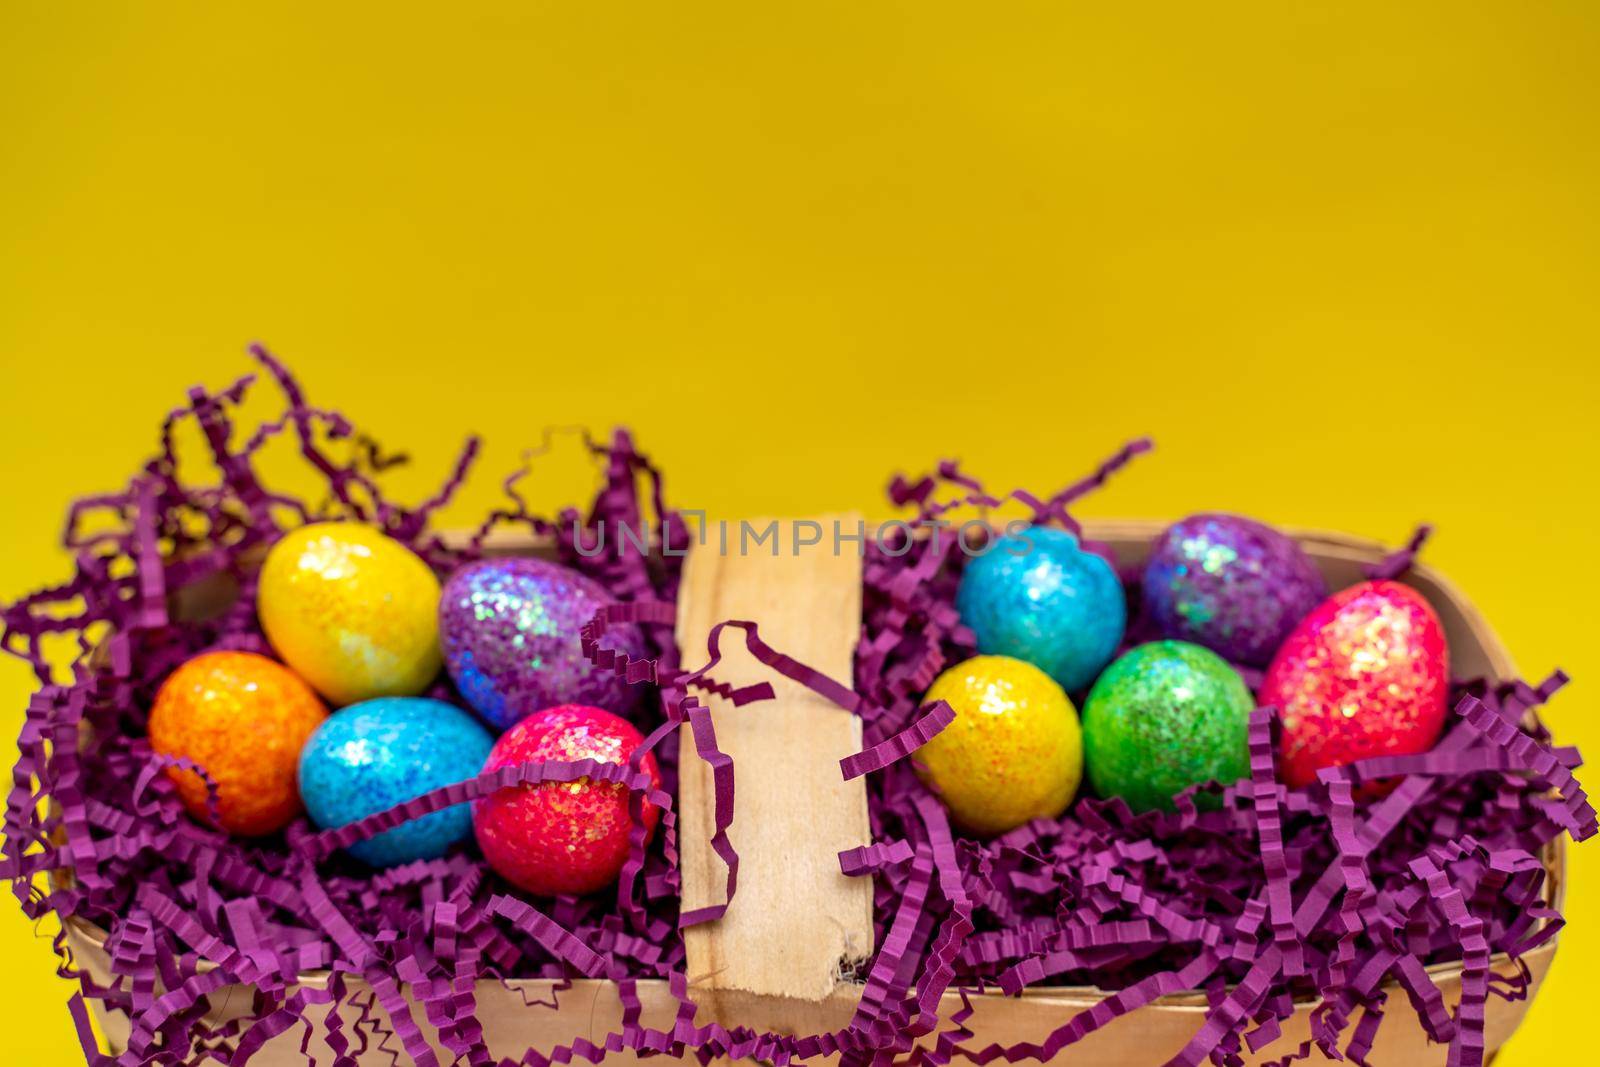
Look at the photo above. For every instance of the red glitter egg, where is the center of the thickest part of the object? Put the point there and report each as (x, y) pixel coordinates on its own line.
(562, 838)
(1364, 674)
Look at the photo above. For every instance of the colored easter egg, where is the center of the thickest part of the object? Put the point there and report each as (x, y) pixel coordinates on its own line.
(511, 633)
(1013, 753)
(1229, 583)
(1038, 596)
(1165, 716)
(370, 756)
(1366, 673)
(560, 838)
(243, 718)
(354, 612)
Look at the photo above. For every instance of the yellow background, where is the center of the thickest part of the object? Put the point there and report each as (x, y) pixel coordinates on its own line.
(1340, 261)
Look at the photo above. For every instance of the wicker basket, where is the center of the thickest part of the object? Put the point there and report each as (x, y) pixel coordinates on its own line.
(1149, 1035)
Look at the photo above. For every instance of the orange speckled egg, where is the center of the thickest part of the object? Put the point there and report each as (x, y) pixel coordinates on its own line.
(353, 611)
(244, 718)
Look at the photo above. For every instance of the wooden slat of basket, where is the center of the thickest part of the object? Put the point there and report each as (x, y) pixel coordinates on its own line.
(795, 917)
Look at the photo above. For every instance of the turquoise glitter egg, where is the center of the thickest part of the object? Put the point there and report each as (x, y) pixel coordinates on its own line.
(1163, 717)
(371, 756)
(1037, 596)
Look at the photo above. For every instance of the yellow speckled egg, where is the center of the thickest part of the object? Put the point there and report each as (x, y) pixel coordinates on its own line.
(1014, 752)
(354, 612)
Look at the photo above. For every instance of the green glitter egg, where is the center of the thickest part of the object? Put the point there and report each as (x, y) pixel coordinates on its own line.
(1163, 717)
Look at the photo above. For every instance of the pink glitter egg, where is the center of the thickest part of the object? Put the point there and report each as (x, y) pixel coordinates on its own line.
(562, 838)
(1364, 674)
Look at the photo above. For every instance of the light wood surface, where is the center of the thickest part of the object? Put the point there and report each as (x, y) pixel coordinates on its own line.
(795, 916)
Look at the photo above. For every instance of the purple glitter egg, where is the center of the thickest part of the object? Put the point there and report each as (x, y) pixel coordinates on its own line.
(510, 633)
(1229, 583)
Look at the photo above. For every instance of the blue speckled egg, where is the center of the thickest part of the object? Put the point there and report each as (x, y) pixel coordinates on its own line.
(371, 756)
(1037, 596)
